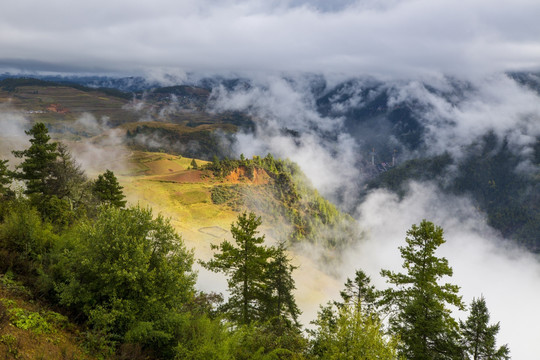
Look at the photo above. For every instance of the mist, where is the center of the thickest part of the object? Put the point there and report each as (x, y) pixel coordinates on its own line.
(454, 113)
(483, 262)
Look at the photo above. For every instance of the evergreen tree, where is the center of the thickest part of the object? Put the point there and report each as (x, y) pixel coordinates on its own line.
(38, 158)
(280, 302)
(479, 337)
(194, 165)
(360, 293)
(421, 317)
(108, 190)
(67, 178)
(244, 262)
(6, 178)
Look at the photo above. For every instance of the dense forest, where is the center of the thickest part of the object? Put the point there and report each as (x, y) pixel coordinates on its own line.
(487, 173)
(124, 276)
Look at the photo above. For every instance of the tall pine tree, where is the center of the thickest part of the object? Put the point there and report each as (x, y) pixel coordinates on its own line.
(479, 337)
(360, 293)
(37, 160)
(421, 317)
(280, 302)
(244, 262)
(6, 176)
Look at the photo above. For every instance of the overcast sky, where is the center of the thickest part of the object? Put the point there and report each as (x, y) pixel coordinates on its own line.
(377, 37)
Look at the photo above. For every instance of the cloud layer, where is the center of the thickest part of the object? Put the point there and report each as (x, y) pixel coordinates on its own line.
(386, 38)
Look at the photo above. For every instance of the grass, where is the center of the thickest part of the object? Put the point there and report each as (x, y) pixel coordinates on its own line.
(29, 330)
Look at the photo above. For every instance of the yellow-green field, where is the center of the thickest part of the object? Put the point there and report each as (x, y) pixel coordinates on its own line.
(188, 204)
(201, 223)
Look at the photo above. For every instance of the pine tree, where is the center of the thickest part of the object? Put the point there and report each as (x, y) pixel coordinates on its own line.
(68, 180)
(38, 158)
(280, 302)
(6, 178)
(244, 262)
(194, 165)
(108, 190)
(479, 337)
(360, 293)
(420, 315)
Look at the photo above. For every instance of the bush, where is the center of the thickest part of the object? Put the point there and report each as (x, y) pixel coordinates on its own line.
(24, 233)
(128, 273)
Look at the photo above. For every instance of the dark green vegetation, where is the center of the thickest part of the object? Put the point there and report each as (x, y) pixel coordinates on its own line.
(418, 302)
(196, 142)
(126, 278)
(490, 174)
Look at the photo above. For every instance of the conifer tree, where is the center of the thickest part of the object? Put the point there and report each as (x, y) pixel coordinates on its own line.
(68, 180)
(6, 177)
(108, 190)
(280, 302)
(194, 165)
(38, 158)
(244, 262)
(420, 314)
(479, 337)
(360, 292)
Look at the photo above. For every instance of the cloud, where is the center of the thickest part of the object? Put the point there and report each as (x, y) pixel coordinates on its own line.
(483, 263)
(455, 117)
(288, 126)
(13, 124)
(388, 38)
(90, 124)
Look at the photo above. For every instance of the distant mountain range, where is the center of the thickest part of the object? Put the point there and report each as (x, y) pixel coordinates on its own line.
(394, 124)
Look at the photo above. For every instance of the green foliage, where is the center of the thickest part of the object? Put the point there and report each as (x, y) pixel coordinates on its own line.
(261, 341)
(68, 181)
(479, 337)
(280, 304)
(128, 273)
(108, 191)
(244, 262)
(348, 332)
(230, 195)
(6, 177)
(56, 211)
(24, 233)
(29, 320)
(291, 199)
(419, 303)
(194, 165)
(205, 338)
(37, 160)
(360, 293)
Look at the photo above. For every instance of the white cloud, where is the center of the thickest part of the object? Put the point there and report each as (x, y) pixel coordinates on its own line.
(396, 38)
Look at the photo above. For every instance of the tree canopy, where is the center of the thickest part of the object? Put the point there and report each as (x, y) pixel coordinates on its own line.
(418, 303)
(35, 169)
(479, 337)
(108, 190)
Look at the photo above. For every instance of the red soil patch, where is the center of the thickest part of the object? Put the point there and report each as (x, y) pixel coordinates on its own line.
(57, 108)
(260, 176)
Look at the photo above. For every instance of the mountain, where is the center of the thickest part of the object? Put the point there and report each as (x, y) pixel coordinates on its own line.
(408, 130)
